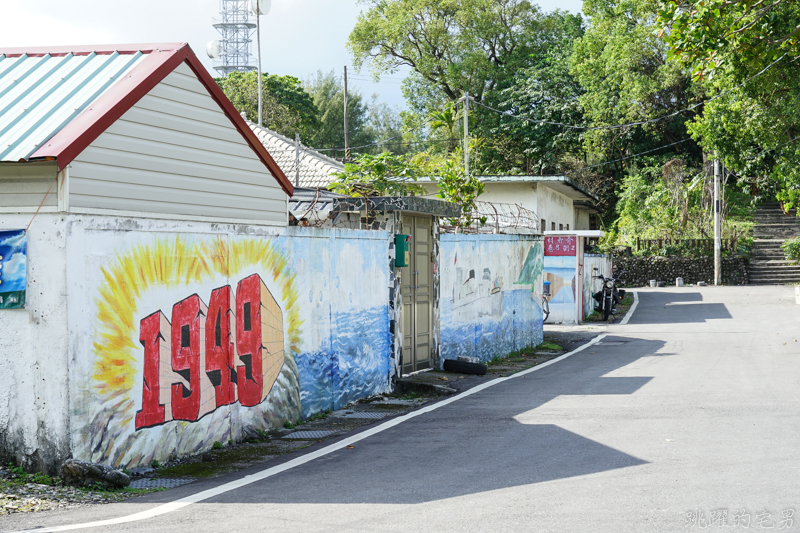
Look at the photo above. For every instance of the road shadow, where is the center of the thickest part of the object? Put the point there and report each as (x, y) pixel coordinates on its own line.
(677, 308)
(471, 446)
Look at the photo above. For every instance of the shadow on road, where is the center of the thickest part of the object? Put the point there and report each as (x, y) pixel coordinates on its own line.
(473, 445)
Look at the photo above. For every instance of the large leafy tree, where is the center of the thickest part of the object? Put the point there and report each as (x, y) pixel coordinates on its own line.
(623, 69)
(543, 93)
(707, 33)
(452, 46)
(286, 106)
(745, 52)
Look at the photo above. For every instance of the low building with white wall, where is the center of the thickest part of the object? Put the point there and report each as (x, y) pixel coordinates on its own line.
(167, 304)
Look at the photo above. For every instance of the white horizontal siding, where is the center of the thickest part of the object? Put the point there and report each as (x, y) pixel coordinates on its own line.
(24, 185)
(175, 152)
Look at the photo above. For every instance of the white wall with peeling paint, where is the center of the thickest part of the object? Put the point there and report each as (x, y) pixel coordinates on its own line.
(34, 382)
(340, 283)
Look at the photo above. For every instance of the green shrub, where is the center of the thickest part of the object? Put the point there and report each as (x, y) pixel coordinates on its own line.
(217, 445)
(791, 249)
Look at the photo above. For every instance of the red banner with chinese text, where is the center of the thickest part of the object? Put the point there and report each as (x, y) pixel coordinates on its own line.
(559, 245)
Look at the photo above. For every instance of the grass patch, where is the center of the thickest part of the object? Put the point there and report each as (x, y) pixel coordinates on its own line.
(550, 346)
(224, 462)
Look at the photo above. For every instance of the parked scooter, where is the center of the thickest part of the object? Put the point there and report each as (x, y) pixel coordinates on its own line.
(609, 297)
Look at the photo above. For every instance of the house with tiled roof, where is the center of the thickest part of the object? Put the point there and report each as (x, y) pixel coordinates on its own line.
(314, 171)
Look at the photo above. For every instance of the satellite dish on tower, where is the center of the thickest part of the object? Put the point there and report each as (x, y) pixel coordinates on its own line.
(214, 49)
(263, 6)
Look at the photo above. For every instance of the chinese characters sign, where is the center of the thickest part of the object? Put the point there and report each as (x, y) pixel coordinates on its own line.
(13, 263)
(559, 245)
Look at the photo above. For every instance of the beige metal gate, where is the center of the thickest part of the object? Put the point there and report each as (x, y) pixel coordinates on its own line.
(417, 289)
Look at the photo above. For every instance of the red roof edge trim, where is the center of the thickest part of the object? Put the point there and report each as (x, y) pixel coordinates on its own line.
(73, 138)
(226, 105)
(105, 49)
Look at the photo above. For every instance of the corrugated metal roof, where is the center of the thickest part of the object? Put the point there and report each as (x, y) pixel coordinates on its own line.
(41, 94)
(316, 169)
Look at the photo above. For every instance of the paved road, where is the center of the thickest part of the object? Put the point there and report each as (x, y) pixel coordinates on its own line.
(693, 405)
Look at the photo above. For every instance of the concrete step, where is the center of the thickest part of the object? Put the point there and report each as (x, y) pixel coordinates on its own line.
(772, 263)
(789, 278)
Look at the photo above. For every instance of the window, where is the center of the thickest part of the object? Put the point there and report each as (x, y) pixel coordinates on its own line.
(553, 226)
(561, 227)
(566, 227)
(543, 225)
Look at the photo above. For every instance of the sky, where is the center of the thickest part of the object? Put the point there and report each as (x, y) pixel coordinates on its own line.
(298, 37)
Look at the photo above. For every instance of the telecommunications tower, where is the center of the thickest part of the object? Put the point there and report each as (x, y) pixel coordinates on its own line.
(236, 25)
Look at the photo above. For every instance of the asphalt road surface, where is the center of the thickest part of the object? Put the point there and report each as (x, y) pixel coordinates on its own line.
(686, 415)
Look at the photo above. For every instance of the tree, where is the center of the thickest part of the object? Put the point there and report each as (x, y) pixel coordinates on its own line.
(368, 121)
(625, 75)
(746, 52)
(545, 91)
(286, 107)
(706, 34)
(455, 46)
(382, 175)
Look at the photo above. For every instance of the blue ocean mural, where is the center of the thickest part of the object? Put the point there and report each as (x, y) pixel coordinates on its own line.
(345, 352)
(490, 295)
(13, 269)
(357, 366)
(560, 272)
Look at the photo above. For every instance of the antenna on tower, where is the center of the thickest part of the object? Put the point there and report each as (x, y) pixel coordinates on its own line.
(236, 26)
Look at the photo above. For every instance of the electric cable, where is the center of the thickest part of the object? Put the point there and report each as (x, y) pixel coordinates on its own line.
(628, 124)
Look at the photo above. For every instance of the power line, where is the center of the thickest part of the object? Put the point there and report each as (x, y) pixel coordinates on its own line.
(376, 143)
(627, 157)
(638, 123)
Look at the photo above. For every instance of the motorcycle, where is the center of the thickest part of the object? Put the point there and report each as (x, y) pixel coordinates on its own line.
(609, 297)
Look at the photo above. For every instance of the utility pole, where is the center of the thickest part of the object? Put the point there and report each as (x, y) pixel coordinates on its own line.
(466, 134)
(717, 236)
(346, 128)
(296, 159)
(258, 48)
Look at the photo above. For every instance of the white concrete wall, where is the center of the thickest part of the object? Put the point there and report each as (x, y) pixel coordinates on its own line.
(555, 207)
(34, 384)
(582, 221)
(175, 152)
(591, 285)
(546, 203)
(72, 364)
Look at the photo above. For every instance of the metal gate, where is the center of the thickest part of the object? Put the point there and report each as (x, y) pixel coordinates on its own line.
(417, 289)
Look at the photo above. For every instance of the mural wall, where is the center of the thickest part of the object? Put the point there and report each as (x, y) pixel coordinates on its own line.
(590, 284)
(559, 270)
(181, 340)
(490, 294)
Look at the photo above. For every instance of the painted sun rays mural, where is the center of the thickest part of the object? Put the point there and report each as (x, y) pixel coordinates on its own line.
(202, 339)
(490, 295)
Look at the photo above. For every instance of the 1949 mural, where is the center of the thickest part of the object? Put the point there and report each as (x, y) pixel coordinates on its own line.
(199, 338)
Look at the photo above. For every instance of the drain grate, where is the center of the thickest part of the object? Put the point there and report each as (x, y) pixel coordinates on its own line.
(159, 483)
(373, 414)
(308, 434)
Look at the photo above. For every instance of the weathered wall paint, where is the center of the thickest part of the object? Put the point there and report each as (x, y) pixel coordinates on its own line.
(154, 346)
(560, 272)
(34, 395)
(591, 285)
(490, 294)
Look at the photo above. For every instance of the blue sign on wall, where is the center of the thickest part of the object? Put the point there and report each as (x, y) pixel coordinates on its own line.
(13, 268)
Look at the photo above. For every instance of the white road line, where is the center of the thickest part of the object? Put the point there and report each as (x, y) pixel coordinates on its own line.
(275, 470)
(631, 310)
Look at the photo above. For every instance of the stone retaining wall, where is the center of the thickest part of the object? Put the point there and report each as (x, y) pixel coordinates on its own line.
(638, 271)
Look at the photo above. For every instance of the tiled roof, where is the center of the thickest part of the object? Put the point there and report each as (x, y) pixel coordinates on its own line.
(316, 170)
